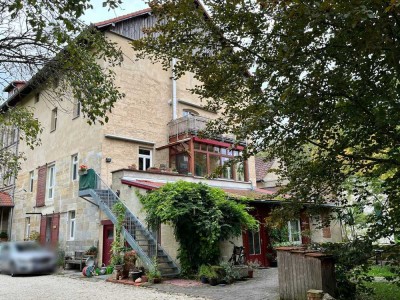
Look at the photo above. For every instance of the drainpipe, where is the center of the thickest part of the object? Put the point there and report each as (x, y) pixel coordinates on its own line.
(174, 100)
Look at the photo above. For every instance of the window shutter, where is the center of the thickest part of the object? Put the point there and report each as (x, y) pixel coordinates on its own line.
(43, 230)
(41, 186)
(305, 228)
(55, 229)
(326, 230)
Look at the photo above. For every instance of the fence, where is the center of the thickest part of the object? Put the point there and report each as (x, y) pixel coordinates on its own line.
(301, 270)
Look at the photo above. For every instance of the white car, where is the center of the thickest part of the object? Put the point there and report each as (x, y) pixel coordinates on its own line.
(26, 258)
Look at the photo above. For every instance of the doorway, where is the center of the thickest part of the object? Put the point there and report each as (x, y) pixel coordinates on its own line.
(108, 238)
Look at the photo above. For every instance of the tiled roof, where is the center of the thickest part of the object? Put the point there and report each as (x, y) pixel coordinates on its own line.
(5, 200)
(262, 167)
(123, 18)
(256, 194)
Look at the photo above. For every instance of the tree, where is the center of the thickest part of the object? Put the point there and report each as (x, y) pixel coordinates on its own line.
(45, 43)
(313, 83)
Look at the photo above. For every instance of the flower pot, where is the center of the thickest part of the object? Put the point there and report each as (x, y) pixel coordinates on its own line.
(203, 279)
(250, 273)
(156, 280)
(213, 281)
(136, 275)
(145, 278)
(82, 172)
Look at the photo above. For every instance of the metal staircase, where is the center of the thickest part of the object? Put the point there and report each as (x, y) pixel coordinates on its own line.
(135, 233)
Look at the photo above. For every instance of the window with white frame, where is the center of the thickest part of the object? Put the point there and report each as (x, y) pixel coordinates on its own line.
(31, 178)
(74, 167)
(53, 119)
(51, 178)
(27, 228)
(71, 225)
(144, 159)
(294, 231)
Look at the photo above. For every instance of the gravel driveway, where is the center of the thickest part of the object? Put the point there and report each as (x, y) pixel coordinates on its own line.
(59, 287)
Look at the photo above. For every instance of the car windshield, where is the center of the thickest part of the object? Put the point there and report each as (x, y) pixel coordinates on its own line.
(24, 247)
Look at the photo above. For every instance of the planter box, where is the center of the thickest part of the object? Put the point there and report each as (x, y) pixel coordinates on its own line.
(242, 270)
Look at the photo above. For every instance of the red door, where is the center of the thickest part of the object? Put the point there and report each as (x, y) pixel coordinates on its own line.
(255, 244)
(108, 238)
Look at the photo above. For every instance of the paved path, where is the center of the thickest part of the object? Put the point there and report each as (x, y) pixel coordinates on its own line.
(56, 287)
(264, 286)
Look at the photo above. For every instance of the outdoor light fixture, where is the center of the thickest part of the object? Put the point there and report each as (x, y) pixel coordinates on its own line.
(108, 159)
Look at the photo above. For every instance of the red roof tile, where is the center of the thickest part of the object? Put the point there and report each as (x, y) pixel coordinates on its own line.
(123, 18)
(5, 200)
(262, 167)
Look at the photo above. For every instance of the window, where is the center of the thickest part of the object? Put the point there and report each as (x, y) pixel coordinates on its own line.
(254, 242)
(72, 226)
(294, 231)
(53, 119)
(189, 112)
(31, 178)
(27, 228)
(144, 159)
(76, 110)
(74, 167)
(50, 181)
(37, 97)
(208, 158)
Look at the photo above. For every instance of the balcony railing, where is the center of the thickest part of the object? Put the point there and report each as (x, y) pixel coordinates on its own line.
(191, 125)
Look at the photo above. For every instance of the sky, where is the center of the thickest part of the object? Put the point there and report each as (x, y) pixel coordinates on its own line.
(100, 13)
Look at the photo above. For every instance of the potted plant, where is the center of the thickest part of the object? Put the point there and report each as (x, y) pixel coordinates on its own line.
(251, 266)
(213, 276)
(92, 251)
(130, 258)
(154, 274)
(83, 169)
(230, 274)
(204, 273)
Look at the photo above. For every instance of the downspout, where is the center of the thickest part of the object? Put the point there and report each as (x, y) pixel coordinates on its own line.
(11, 216)
(174, 100)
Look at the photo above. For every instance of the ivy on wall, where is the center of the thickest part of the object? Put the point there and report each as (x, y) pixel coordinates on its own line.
(201, 216)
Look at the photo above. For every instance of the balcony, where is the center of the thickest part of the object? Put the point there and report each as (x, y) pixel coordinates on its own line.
(188, 126)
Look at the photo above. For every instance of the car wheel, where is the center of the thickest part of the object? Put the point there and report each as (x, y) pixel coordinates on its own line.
(12, 270)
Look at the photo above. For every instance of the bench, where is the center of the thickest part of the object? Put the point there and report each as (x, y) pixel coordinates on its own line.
(77, 259)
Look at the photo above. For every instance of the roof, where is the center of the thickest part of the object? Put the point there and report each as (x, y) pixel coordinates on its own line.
(122, 18)
(256, 194)
(5, 200)
(262, 167)
(14, 84)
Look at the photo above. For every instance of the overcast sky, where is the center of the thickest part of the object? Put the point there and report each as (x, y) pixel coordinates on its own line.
(100, 13)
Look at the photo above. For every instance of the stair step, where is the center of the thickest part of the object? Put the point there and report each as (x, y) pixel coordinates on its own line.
(170, 275)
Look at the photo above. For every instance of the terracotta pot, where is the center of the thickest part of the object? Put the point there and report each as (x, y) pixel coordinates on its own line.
(145, 278)
(213, 281)
(156, 280)
(250, 273)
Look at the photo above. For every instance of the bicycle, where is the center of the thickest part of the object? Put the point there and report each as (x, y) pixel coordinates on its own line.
(238, 257)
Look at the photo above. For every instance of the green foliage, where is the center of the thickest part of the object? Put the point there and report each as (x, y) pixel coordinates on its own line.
(117, 246)
(201, 216)
(322, 95)
(60, 254)
(381, 290)
(154, 272)
(3, 235)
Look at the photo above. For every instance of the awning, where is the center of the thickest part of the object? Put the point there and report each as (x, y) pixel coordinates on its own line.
(5, 200)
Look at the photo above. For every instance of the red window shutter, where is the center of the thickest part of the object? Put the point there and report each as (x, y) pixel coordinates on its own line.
(305, 228)
(326, 230)
(55, 224)
(41, 186)
(43, 230)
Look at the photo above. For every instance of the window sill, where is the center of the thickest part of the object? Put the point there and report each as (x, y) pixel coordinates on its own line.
(52, 130)
(76, 117)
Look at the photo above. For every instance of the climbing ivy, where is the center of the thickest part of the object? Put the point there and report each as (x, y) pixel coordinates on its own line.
(201, 216)
(117, 245)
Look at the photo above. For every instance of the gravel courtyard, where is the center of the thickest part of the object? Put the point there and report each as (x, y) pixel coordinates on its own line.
(264, 286)
(59, 287)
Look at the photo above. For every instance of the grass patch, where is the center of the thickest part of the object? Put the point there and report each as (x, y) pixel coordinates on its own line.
(382, 290)
(380, 271)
